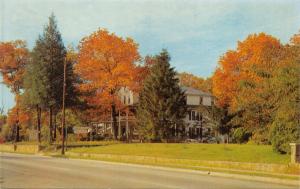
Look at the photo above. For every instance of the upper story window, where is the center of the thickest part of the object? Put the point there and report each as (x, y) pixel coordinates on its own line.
(201, 100)
(194, 115)
(129, 100)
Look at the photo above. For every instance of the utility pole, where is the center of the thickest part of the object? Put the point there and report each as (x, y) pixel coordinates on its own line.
(63, 110)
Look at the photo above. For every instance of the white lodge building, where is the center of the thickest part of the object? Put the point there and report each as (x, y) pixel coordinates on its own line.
(196, 121)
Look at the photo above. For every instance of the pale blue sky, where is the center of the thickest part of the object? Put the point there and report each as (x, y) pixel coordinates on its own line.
(196, 33)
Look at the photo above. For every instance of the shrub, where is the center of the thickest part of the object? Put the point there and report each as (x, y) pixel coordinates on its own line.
(260, 136)
(98, 137)
(6, 133)
(240, 135)
(71, 138)
(283, 133)
(45, 132)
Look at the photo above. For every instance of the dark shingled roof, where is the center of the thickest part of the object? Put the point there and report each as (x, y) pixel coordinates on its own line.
(193, 91)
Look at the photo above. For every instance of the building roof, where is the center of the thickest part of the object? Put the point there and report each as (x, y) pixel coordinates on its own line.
(193, 91)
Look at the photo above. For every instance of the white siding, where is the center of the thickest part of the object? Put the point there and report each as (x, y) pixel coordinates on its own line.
(206, 101)
(127, 96)
(192, 100)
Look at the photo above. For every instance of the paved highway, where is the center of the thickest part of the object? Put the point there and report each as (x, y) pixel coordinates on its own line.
(29, 171)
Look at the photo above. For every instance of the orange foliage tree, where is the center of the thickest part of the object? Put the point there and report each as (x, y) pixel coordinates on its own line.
(191, 80)
(295, 40)
(13, 58)
(106, 63)
(252, 57)
(20, 116)
(242, 85)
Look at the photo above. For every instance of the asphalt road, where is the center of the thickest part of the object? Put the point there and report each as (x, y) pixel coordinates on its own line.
(29, 171)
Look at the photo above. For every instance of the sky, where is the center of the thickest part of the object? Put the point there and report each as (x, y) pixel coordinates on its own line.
(196, 33)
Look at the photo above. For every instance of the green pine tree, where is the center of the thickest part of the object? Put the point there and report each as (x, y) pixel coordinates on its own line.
(162, 105)
(44, 75)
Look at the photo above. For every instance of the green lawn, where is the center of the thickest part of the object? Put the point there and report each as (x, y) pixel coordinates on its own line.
(211, 152)
(230, 158)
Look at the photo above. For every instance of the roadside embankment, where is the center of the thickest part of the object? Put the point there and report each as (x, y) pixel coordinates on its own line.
(20, 148)
(247, 160)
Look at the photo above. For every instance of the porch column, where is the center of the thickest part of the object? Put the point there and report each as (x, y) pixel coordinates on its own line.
(175, 130)
(111, 124)
(119, 126)
(127, 126)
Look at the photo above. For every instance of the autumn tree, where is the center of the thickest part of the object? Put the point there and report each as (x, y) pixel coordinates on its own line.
(190, 80)
(2, 119)
(162, 102)
(295, 40)
(259, 84)
(142, 71)
(242, 83)
(23, 117)
(3, 126)
(106, 63)
(13, 58)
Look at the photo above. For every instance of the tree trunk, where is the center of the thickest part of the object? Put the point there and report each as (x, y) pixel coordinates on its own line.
(50, 125)
(114, 122)
(17, 132)
(119, 126)
(16, 136)
(54, 133)
(228, 138)
(17, 128)
(127, 127)
(201, 129)
(38, 111)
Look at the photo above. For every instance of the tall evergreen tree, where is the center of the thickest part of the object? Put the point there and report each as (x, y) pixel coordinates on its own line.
(162, 105)
(44, 78)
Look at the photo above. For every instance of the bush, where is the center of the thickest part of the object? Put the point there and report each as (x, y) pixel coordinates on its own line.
(6, 133)
(71, 138)
(282, 134)
(97, 137)
(260, 135)
(241, 135)
(45, 132)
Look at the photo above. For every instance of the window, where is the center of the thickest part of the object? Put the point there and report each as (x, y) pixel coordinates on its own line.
(198, 131)
(124, 99)
(193, 115)
(197, 116)
(129, 100)
(201, 100)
